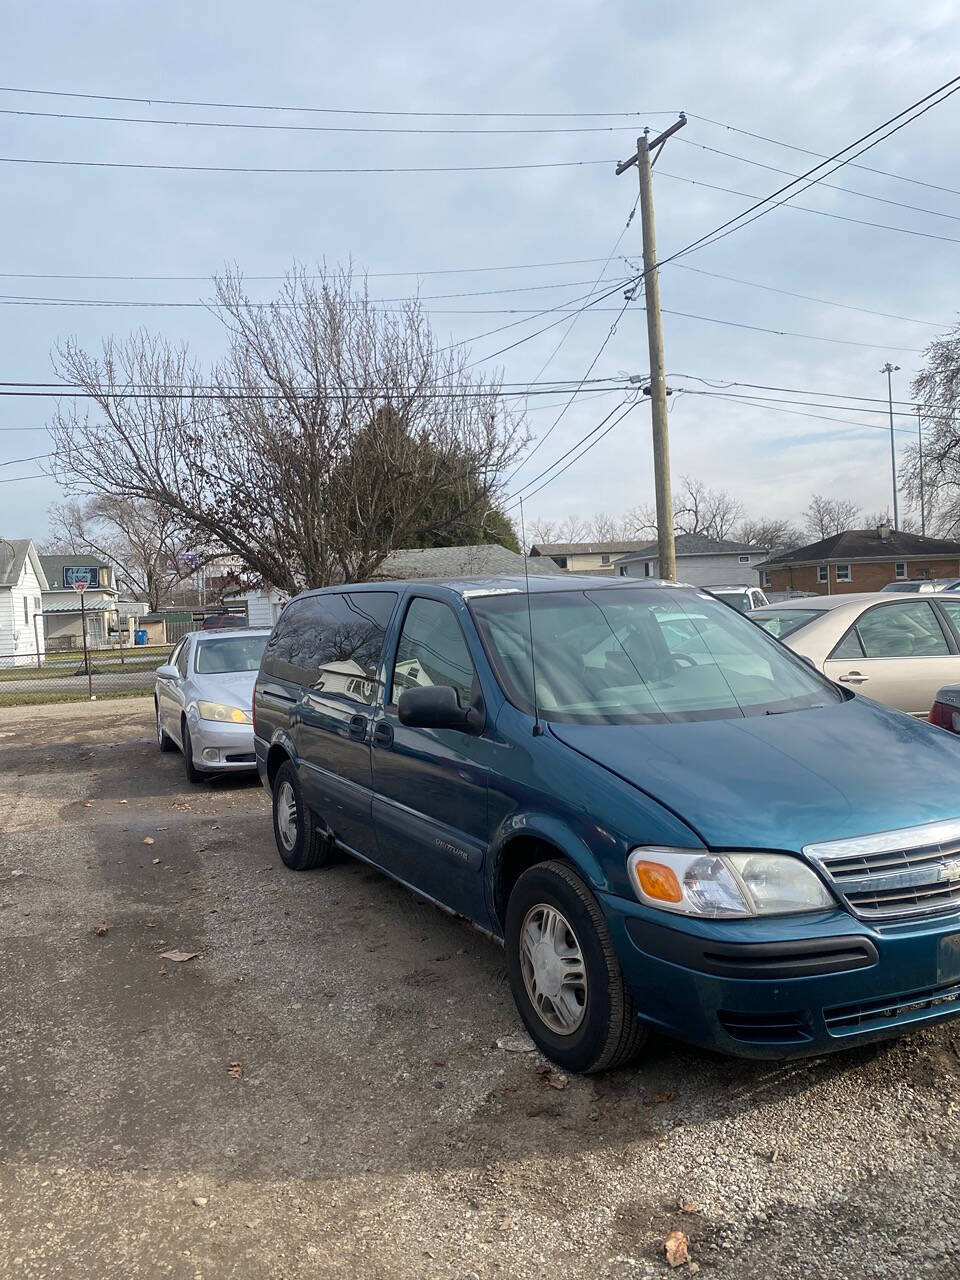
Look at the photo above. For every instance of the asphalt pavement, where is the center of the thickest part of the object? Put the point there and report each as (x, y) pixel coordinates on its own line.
(323, 1088)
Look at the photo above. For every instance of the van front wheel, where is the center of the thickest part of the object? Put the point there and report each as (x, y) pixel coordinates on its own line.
(564, 973)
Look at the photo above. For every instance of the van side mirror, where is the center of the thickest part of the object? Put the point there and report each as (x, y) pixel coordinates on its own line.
(435, 706)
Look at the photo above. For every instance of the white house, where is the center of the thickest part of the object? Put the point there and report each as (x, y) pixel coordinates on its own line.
(701, 561)
(22, 584)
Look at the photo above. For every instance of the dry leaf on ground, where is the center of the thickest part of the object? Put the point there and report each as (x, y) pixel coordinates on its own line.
(557, 1080)
(235, 1070)
(148, 840)
(179, 956)
(689, 1206)
(665, 1095)
(101, 929)
(516, 1044)
(675, 1247)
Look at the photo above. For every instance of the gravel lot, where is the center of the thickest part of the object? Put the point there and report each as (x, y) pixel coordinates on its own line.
(377, 1129)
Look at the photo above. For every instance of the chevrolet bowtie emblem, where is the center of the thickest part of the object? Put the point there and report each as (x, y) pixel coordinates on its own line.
(950, 871)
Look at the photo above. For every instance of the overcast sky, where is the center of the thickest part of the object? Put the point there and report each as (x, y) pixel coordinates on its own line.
(815, 75)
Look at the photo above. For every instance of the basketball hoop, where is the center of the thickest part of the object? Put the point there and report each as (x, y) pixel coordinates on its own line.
(80, 585)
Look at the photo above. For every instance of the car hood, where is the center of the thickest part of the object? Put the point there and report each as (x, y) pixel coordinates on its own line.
(233, 688)
(783, 781)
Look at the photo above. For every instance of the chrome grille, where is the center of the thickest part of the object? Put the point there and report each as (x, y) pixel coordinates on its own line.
(911, 872)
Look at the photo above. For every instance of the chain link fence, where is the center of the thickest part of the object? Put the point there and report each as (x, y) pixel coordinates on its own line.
(69, 677)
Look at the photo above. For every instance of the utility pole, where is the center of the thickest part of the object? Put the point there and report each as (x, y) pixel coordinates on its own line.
(666, 546)
(890, 369)
(923, 512)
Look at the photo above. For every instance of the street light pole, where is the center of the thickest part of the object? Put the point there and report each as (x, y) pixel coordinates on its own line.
(923, 512)
(890, 369)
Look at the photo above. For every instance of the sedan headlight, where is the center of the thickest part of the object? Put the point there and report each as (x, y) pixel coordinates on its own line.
(725, 885)
(223, 714)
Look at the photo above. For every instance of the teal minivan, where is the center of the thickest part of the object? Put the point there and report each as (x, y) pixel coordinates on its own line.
(670, 821)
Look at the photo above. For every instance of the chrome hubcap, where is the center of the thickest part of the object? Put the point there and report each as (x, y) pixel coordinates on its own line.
(287, 815)
(553, 968)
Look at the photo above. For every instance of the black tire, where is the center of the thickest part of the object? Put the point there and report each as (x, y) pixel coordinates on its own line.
(609, 1033)
(310, 846)
(164, 741)
(190, 769)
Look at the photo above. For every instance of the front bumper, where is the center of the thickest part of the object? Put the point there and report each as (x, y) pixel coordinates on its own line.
(222, 748)
(785, 987)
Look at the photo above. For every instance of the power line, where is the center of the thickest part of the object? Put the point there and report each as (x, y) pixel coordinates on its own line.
(796, 413)
(339, 111)
(805, 297)
(315, 128)
(831, 186)
(39, 475)
(805, 151)
(590, 367)
(376, 169)
(813, 404)
(629, 409)
(757, 210)
(34, 457)
(719, 383)
(370, 275)
(805, 208)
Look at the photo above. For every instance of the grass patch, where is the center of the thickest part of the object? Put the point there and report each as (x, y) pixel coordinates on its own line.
(41, 697)
(74, 667)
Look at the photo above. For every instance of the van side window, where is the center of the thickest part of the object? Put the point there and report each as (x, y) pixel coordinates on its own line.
(332, 642)
(432, 651)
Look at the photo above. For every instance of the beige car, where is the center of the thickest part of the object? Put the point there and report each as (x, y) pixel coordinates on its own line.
(895, 649)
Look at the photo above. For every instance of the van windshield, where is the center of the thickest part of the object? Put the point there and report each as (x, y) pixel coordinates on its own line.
(641, 655)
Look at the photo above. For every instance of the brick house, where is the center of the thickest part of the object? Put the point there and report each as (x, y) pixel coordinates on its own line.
(861, 560)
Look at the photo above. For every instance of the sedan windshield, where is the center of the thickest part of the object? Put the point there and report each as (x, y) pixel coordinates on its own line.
(229, 653)
(784, 622)
(640, 655)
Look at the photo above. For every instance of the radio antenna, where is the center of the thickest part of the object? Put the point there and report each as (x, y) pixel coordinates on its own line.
(537, 726)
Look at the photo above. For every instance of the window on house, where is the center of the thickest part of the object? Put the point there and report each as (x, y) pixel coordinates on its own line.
(900, 569)
(823, 573)
(623, 571)
(559, 561)
(37, 605)
(605, 558)
(26, 611)
(843, 573)
(765, 577)
(647, 569)
(744, 559)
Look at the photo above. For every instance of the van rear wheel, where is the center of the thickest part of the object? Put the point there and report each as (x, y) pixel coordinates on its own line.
(564, 972)
(301, 842)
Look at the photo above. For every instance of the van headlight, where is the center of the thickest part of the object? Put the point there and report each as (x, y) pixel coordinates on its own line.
(223, 714)
(717, 885)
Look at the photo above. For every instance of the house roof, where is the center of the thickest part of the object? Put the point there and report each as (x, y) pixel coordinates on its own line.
(586, 548)
(696, 544)
(14, 553)
(867, 544)
(53, 567)
(484, 560)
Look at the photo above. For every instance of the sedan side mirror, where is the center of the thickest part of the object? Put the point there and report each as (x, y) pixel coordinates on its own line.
(167, 672)
(436, 707)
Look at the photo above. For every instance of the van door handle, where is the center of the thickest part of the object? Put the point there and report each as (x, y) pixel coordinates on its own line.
(358, 728)
(854, 677)
(383, 735)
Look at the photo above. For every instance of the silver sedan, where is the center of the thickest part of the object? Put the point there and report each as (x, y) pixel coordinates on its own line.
(893, 648)
(204, 699)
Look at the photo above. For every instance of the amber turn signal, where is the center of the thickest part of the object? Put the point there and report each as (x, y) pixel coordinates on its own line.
(658, 881)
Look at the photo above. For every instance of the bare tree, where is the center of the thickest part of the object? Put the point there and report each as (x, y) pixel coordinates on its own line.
(937, 390)
(826, 516)
(775, 533)
(711, 512)
(150, 550)
(323, 441)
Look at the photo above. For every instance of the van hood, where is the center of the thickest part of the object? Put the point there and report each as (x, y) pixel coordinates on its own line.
(784, 781)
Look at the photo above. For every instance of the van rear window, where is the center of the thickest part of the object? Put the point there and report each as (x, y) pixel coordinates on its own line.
(331, 641)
